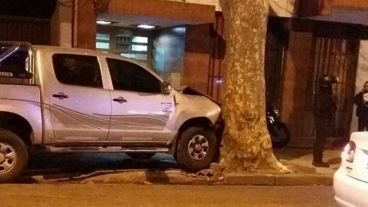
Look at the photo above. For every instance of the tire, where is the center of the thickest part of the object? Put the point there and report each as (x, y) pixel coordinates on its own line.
(191, 158)
(13, 156)
(280, 136)
(147, 155)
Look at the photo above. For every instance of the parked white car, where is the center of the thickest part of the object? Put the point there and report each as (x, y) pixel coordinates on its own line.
(351, 179)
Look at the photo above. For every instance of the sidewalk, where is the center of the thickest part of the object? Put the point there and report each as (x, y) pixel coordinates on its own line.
(298, 160)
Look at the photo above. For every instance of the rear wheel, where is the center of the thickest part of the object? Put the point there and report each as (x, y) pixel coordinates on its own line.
(13, 156)
(196, 149)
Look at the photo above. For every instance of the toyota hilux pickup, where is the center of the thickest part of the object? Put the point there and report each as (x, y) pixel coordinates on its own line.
(78, 100)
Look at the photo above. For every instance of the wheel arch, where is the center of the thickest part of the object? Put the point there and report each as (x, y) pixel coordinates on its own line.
(18, 125)
(202, 122)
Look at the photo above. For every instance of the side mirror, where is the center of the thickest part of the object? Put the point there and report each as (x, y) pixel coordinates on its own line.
(166, 88)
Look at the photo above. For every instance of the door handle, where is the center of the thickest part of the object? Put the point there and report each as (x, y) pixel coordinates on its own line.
(120, 100)
(60, 96)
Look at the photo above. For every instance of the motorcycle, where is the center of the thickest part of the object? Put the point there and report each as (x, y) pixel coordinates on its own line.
(279, 133)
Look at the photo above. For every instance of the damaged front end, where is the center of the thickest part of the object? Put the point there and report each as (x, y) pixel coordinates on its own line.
(219, 126)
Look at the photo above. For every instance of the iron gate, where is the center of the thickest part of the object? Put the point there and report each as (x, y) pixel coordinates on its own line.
(335, 56)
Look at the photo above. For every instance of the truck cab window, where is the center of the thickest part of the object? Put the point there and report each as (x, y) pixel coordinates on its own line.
(14, 66)
(78, 70)
(131, 77)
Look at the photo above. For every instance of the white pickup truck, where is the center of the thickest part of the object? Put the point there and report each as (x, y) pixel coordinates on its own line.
(77, 100)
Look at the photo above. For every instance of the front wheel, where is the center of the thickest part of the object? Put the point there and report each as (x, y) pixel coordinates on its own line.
(196, 149)
(13, 156)
(280, 136)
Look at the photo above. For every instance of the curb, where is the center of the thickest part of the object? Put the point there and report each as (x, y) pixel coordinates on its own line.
(278, 180)
(181, 178)
(287, 180)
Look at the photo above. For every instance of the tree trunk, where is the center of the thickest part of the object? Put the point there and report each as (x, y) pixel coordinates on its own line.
(247, 144)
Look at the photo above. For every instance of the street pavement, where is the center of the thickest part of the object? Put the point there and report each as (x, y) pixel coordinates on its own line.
(95, 195)
(107, 168)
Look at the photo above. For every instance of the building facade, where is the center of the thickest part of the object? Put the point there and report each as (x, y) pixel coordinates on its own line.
(305, 39)
(324, 37)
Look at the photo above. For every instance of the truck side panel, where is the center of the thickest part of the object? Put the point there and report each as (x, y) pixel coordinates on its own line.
(23, 100)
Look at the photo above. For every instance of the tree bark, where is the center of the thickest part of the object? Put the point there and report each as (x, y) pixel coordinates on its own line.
(247, 144)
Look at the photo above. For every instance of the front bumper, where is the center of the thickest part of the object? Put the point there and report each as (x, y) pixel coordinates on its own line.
(349, 191)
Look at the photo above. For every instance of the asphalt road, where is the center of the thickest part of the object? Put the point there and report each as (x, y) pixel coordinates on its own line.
(93, 195)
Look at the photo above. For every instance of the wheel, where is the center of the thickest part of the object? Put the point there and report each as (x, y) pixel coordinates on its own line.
(140, 155)
(13, 155)
(196, 149)
(279, 135)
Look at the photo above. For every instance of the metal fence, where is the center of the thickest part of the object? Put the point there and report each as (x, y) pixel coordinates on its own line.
(336, 56)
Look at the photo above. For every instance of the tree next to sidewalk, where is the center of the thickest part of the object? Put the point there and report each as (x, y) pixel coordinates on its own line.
(247, 144)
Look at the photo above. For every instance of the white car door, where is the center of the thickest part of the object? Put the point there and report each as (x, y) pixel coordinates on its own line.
(140, 111)
(79, 105)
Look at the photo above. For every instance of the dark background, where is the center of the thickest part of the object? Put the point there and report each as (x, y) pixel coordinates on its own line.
(27, 8)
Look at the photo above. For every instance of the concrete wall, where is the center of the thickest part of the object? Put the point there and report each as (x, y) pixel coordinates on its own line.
(85, 25)
(297, 65)
(78, 31)
(178, 11)
(61, 25)
(197, 56)
(215, 3)
(363, 4)
(362, 76)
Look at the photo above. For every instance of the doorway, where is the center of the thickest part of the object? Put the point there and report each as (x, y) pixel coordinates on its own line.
(336, 56)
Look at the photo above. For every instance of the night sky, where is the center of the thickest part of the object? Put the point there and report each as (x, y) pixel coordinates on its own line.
(27, 8)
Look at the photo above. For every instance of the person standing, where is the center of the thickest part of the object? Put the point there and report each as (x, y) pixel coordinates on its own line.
(324, 113)
(361, 101)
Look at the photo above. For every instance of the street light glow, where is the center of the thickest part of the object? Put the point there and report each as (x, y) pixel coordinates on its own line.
(146, 26)
(102, 22)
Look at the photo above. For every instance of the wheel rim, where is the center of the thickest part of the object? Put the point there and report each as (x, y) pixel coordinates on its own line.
(8, 158)
(198, 147)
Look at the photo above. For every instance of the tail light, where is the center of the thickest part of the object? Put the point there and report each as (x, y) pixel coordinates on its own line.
(349, 152)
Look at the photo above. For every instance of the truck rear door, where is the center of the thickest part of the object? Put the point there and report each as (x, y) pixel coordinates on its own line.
(79, 105)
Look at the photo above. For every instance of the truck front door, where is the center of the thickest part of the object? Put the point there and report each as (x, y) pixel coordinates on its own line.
(141, 113)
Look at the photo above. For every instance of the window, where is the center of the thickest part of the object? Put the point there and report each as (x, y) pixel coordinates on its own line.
(102, 45)
(139, 48)
(79, 70)
(14, 65)
(102, 41)
(131, 77)
(139, 44)
(139, 39)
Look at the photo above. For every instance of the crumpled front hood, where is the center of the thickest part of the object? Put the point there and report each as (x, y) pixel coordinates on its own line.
(191, 91)
(197, 105)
